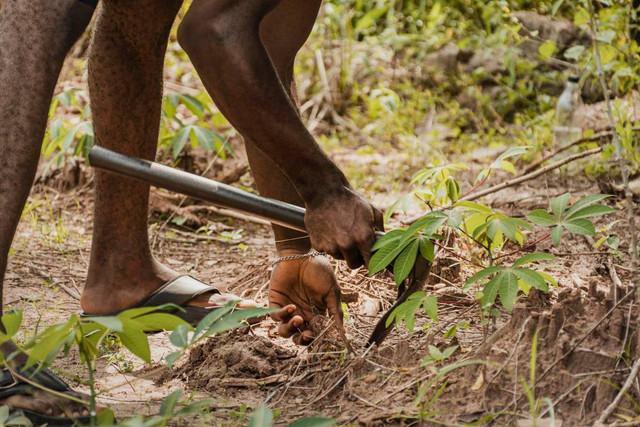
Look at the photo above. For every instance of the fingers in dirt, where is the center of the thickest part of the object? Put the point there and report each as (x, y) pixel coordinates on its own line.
(292, 327)
(284, 314)
(303, 338)
(334, 306)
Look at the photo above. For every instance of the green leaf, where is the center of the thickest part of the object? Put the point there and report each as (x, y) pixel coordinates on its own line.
(574, 52)
(508, 288)
(212, 317)
(590, 211)
(559, 204)
(261, 417)
(205, 137)
(585, 201)
(556, 234)
(430, 305)
(160, 322)
(427, 249)
(484, 273)
(109, 322)
(405, 261)
(490, 291)
(169, 403)
(384, 256)
(532, 278)
(541, 217)
(581, 16)
(391, 236)
(580, 226)
(180, 336)
(370, 18)
(194, 408)
(135, 339)
(556, 6)
(313, 422)
(193, 104)
(172, 358)
(533, 257)
(12, 321)
(180, 140)
(236, 319)
(547, 49)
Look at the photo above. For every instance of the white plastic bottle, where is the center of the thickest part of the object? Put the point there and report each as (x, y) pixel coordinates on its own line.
(566, 128)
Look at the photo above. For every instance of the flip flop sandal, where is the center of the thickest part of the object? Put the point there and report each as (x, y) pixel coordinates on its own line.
(179, 291)
(11, 386)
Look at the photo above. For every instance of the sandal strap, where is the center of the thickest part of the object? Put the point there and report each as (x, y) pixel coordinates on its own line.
(179, 291)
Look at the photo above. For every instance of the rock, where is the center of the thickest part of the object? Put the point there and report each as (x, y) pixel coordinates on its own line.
(448, 58)
(560, 31)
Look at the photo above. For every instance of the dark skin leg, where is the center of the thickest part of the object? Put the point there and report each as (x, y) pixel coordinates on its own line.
(257, 40)
(35, 37)
(125, 81)
(251, 95)
(310, 283)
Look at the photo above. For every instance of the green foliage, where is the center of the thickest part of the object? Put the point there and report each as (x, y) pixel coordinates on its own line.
(264, 417)
(573, 218)
(408, 309)
(507, 281)
(220, 320)
(404, 245)
(6, 419)
(67, 137)
(175, 132)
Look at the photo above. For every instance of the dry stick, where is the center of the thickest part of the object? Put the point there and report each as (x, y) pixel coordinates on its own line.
(518, 180)
(593, 138)
(616, 141)
(630, 205)
(577, 344)
(532, 175)
(627, 384)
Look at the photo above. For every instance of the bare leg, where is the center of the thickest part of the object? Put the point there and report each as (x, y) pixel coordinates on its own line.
(283, 32)
(35, 36)
(125, 80)
(223, 40)
(309, 284)
(306, 286)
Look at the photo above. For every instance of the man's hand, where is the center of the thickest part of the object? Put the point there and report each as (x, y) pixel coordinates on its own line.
(343, 224)
(303, 288)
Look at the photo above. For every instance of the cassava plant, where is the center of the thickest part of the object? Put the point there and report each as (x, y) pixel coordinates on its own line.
(501, 274)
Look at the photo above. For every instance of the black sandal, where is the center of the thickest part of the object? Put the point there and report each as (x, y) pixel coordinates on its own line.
(11, 386)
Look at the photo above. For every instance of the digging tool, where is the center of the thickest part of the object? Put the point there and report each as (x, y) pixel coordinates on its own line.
(226, 196)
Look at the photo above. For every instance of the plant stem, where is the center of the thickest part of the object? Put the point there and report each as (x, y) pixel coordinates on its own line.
(444, 248)
(535, 242)
(92, 388)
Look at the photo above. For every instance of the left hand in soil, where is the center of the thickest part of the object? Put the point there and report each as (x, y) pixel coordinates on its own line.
(303, 288)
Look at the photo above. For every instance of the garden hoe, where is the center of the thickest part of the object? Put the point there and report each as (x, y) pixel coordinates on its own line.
(226, 196)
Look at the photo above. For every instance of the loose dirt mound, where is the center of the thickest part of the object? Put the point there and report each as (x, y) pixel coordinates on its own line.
(580, 359)
(236, 359)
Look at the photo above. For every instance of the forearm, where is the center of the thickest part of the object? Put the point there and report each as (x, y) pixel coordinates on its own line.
(241, 79)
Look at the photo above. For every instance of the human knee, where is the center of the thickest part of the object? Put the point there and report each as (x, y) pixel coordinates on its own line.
(198, 32)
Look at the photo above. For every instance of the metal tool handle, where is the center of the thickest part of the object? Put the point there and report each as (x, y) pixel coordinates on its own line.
(223, 195)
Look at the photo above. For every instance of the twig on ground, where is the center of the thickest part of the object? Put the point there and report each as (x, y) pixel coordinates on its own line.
(72, 292)
(627, 384)
(600, 136)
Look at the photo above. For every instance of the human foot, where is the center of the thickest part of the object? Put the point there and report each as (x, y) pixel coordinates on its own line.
(110, 290)
(303, 288)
